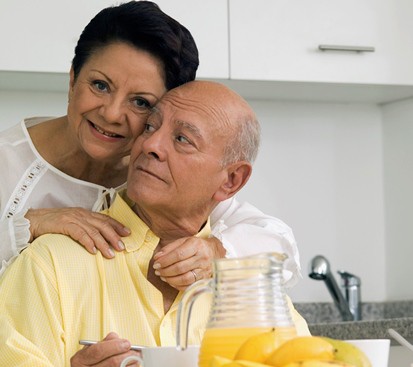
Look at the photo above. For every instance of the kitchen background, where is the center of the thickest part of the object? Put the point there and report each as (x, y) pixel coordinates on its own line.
(336, 161)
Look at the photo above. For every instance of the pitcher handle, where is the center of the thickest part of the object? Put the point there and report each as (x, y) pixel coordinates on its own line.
(185, 308)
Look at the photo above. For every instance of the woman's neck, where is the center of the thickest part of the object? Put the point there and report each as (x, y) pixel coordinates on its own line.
(52, 140)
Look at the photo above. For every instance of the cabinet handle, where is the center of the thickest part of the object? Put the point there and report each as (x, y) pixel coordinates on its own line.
(346, 48)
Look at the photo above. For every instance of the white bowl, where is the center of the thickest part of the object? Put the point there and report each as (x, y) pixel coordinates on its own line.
(377, 350)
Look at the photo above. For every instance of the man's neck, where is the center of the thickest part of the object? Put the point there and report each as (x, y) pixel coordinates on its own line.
(170, 227)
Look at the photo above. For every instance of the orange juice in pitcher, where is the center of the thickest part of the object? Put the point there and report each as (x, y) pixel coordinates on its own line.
(248, 299)
(224, 342)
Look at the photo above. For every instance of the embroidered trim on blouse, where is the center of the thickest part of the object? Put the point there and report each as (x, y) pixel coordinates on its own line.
(34, 171)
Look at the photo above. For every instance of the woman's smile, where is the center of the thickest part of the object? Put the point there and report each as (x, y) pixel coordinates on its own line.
(104, 132)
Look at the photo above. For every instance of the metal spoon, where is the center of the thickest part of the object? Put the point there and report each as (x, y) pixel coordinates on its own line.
(92, 342)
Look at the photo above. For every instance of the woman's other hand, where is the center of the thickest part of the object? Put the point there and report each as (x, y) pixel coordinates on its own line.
(92, 230)
(184, 261)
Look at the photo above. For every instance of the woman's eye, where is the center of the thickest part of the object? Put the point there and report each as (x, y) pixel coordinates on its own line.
(142, 103)
(100, 85)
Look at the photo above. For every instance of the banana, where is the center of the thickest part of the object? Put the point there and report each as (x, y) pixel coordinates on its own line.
(259, 347)
(301, 348)
(315, 363)
(251, 364)
(244, 364)
(218, 361)
(348, 353)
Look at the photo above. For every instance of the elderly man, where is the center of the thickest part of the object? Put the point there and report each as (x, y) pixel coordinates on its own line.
(196, 151)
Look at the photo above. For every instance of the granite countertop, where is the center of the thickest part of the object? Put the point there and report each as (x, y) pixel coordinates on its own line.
(324, 319)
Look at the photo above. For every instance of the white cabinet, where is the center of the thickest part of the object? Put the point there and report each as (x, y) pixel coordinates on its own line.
(208, 23)
(261, 48)
(40, 36)
(279, 40)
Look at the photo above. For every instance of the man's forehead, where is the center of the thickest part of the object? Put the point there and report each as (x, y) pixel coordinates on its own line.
(186, 108)
(191, 120)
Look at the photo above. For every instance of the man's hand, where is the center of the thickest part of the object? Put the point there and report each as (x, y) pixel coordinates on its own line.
(187, 260)
(111, 351)
(92, 230)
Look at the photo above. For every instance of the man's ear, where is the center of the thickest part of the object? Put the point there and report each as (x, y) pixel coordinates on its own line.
(237, 176)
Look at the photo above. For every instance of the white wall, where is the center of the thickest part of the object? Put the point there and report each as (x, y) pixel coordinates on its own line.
(398, 183)
(320, 169)
(16, 105)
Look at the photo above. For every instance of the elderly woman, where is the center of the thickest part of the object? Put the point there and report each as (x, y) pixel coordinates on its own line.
(60, 171)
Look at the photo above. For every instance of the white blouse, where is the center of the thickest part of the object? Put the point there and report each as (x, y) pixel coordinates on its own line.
(28, 181)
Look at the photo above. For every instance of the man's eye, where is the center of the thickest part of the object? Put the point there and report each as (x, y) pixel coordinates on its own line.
(100, 85)
(142, 103)
(149, 128)
(182, 139)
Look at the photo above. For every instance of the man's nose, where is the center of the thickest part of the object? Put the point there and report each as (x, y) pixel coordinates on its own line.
(155, 145)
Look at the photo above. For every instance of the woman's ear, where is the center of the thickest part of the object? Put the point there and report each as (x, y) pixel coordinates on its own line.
(237, 176)
(71, 83)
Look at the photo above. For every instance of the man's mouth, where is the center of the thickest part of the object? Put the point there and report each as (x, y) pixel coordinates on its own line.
(106, 133)
(149, 173)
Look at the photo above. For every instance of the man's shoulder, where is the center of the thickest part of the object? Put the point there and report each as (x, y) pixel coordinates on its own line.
(54, 247)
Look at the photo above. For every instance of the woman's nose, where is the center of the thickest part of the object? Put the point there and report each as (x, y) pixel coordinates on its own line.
(113, 110)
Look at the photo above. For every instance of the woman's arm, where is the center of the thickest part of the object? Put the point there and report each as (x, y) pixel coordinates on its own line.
(237, 230)
(95, 231)
(14, 237)
(244, 230)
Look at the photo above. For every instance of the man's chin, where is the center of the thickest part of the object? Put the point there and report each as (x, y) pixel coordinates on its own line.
(142, 192)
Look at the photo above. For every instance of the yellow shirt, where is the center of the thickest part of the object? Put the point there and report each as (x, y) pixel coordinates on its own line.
(56, 293)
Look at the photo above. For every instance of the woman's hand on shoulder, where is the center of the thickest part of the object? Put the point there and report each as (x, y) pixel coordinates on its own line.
(94, 231)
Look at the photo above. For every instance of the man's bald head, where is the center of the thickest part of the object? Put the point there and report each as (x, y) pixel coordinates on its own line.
(239, 122)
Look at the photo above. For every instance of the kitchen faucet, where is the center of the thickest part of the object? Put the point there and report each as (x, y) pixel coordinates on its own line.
(349, 303)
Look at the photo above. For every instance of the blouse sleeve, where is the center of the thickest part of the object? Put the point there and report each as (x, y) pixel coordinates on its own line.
(244, 230)
(14, 237)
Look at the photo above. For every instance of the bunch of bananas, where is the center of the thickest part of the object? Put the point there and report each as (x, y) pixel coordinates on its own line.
(265, 350)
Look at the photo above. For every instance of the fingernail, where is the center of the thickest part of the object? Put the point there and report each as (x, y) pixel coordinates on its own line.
(121, 245)
(111, 253)
(158, 254)
(157, 272)
(125, 345)
(163, 279)
(156, 266)
(95, 250)
(127, 230)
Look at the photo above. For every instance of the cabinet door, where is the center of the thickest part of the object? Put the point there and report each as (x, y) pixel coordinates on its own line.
(207, 20)
(279, 40)
(40, 36)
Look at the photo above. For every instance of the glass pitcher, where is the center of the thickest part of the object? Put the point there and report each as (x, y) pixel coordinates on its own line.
(248, 298)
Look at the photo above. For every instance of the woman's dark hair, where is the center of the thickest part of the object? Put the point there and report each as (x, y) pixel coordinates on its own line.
(143, 25)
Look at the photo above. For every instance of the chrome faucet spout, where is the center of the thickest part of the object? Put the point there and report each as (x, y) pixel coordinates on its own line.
(320, 270)
(350, 284)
